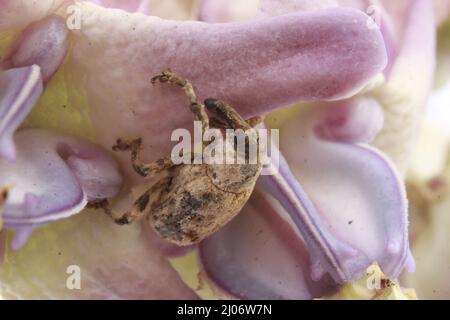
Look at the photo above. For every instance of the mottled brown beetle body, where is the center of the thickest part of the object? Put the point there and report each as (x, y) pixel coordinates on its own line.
(192, 201)
(193, 207)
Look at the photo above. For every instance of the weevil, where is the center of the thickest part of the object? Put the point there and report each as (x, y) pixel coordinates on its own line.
(192, 201)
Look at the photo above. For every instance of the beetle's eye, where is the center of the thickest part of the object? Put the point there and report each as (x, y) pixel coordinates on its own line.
(211, 104)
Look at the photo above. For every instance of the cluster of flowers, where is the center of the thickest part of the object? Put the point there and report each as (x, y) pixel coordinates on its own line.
(337, 204)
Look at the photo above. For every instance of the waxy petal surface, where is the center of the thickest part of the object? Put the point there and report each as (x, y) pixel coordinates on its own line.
(115, 262)
(19, 13)
(175, 9)
(20, 88)
(408, 28)
(141, 6)
(258, 255)
(268, 8)
(214, 11)
(53, 176)
(2, 245)
(354, 120)
(404, 96)
(357, 203)
(442, 11)
(256, 66)
(43, 43)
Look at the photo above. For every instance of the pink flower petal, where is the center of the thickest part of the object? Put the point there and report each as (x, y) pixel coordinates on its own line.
(256, 66)
(214, 11)
(2, 245)
(258, 255)
(115, 262)
(21, 236)
(404, 96)
(175, 9)
(3, 196)
(20, 88)
(329, 255)
(354, 120)
(43, 43)
(53, 176)
(357, 204)
(397, 14)
(141, 6)
(269, 8)
(16, 14)
(393, 16)
(442, 11)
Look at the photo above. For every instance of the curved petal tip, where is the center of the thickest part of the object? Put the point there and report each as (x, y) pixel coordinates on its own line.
(350, 204)
(258, 255)
(20, 88)
(53, 177)
(43, 43)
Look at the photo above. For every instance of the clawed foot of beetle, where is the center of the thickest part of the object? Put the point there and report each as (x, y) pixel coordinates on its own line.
(197, 108)
(135, 147)
(168, 76)
(124, 145)
(104, 205)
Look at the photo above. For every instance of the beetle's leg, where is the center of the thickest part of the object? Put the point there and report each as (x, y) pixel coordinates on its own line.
(139, 207)
(143, 169)
(197, 108)
(159, 165)
(134, 146)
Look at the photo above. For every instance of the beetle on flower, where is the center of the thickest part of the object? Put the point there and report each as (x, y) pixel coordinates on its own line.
(93, 87)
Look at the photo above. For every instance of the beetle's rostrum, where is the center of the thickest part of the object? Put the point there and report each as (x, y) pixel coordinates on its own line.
(192, 201)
